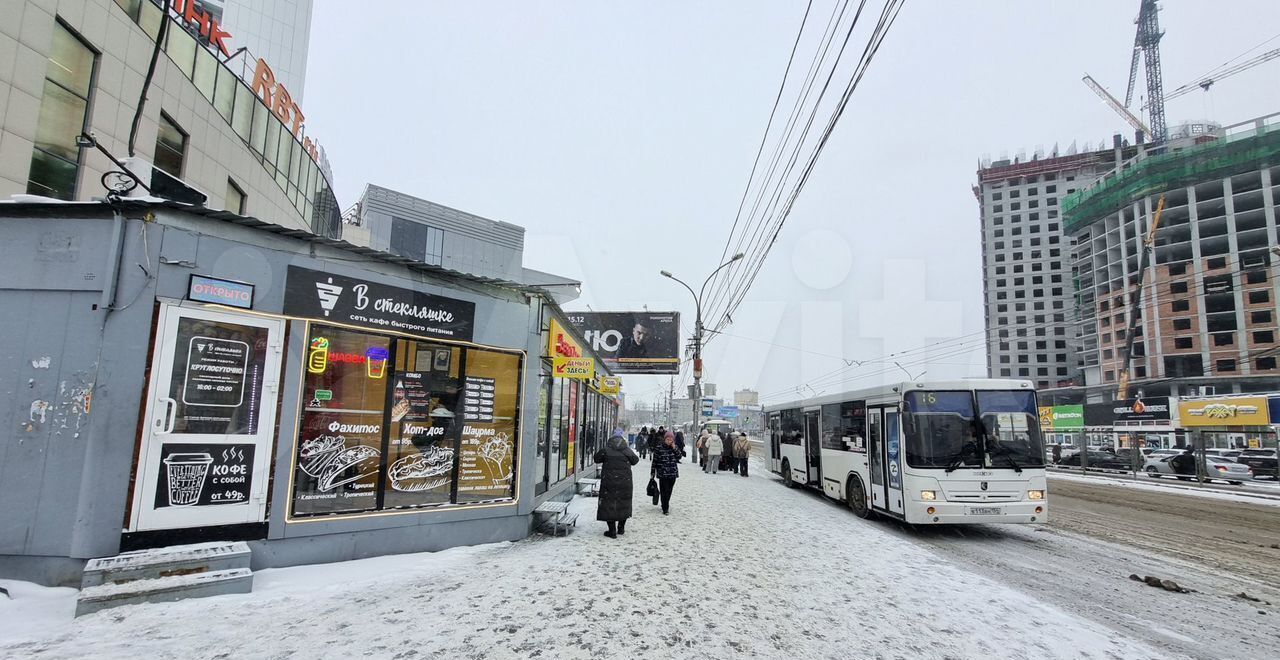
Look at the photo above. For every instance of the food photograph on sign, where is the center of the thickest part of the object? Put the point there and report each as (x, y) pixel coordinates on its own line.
(632, 342)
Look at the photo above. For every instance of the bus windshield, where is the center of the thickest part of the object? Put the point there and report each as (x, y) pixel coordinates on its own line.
(942, 430)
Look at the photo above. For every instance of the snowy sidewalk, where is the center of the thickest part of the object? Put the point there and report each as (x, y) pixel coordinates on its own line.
(778, 573)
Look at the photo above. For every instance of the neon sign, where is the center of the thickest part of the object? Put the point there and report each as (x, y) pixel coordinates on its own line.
(377, 361)
(318, 357)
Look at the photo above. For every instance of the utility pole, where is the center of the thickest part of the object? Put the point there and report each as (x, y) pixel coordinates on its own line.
(697, 340)
(671, 393)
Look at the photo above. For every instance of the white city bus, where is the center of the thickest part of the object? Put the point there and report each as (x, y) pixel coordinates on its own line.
(965, 451)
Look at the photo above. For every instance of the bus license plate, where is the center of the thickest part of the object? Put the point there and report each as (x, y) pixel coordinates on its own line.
(984, 510)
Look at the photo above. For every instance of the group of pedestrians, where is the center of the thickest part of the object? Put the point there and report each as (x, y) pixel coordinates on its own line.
(716, 451)
(665, 450)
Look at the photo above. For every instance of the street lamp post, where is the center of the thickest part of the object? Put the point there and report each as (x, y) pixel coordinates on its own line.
(697, 341)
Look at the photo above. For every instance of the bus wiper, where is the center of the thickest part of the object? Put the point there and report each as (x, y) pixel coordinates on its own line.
(958, 461)
(1014, 464)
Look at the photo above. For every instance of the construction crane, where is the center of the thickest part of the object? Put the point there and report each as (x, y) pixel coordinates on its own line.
(1206, 82)
(1135, 302)
(1115, 105)
(1146, 43)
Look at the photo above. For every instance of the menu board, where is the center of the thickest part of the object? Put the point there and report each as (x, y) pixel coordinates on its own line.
(486, 463)
(204, 474)
(338, 461)
(216, 378)
(477, 400)
(411, 399)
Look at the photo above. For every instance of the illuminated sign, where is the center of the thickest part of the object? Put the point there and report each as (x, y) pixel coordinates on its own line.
(220, 292)
(377, 361)
(610, 385)
(318, 356)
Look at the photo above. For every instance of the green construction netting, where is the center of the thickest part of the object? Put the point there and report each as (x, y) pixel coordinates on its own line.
(1157, 174)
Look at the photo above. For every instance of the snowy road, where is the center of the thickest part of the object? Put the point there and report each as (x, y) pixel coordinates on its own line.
(1099, 533)
(785, 573)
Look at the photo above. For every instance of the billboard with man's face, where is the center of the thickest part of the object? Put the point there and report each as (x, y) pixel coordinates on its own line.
(632, 342)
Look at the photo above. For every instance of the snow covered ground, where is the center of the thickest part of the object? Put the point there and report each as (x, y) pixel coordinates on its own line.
(1269, 497)
(741, 568)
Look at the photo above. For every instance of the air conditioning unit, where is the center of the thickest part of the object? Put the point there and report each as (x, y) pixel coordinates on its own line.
(162, 184)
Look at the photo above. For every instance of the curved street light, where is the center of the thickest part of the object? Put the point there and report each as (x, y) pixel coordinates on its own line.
(697, 336)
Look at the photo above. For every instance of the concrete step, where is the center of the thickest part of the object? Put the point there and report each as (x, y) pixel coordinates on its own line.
(166, 562)
(164, 589)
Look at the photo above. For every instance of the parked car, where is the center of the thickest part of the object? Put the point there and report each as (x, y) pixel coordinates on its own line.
(1159, 453)
(1102, 460)
(1224, 453)
(1215, 468)
(1261, 461)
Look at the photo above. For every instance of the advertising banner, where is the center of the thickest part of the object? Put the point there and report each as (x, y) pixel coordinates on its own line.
(579, 368)
(204, 474)
(1061, 418)
(1135, 410)
(1235, 411)
(727, 412)
(633, 342)
(567, 359)
(327, 297)
(610, 385)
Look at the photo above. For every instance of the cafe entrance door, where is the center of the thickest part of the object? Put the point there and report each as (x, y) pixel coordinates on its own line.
(210, 416)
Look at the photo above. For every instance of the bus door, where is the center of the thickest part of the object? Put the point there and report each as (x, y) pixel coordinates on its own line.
(812, 448)
(775, 443)
(893, 458)
(875, 456)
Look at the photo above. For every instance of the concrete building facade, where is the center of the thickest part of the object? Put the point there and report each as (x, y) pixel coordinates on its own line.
(278, 31)
(1026, 271)
(81, 66)
(1208, 314)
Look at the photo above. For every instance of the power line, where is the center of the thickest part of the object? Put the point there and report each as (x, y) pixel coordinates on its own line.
(888, 16)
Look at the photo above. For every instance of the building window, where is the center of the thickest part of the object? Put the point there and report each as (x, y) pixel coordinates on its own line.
(435, 246)
(1182, 324)
(64, 114)
(1266, 363)
(1178, 287)
(1223, 339)
(1181, 305)
(1225, 365)
(1217, 262)
(1264, 337)
(1260, 317)
(404, 444)
(1178, 269)
(1256, 297)
(235, 198)
(1256, 277)
(171, 146)
(1182, 343)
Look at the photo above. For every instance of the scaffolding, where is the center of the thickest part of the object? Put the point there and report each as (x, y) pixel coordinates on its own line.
(1151, 175)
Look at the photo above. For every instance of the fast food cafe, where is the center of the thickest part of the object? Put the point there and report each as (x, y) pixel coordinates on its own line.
(178, 375)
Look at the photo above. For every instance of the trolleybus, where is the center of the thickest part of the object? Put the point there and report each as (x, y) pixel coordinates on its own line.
(965, 451)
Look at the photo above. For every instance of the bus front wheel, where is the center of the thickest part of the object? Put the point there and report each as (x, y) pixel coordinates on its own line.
(856, 498)
(786, 474)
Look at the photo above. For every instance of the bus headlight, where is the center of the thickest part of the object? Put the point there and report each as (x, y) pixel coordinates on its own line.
(1035, 494)
(928, 495)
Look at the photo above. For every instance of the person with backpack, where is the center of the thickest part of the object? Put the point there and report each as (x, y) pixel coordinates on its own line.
(741, 452)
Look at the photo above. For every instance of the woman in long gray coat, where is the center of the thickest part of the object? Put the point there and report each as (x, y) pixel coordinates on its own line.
(615, 484)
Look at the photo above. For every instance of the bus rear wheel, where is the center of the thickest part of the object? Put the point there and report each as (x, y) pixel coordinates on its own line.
(856, 498)
(786, 474)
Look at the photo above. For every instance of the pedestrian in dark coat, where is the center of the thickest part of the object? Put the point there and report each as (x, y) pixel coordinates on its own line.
(666, 467)
(614, 506)
(642, 441)
(655, 440)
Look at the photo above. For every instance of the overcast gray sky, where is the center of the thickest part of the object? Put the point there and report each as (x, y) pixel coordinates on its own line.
(621, 135)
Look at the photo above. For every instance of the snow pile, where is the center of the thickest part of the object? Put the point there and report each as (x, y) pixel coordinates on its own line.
(1264, 499)
(741, 568)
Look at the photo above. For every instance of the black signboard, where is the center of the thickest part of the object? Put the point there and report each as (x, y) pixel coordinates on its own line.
(328, 297)
(204, 475)
(1130, 410)
(632, 342)
(477, 401)
(216, 371)
(411, 400)
(220, 292)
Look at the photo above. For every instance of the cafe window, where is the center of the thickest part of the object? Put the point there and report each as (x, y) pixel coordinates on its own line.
(393, 423)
